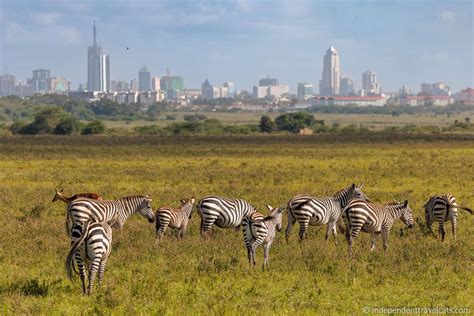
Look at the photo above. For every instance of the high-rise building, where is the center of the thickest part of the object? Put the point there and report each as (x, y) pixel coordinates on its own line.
(172, 86)
(404, 91)
(230, 87)
(144, 79)
(40, 80)
(133, 85)
(7, 85)
(207, 91)
(346, 85)
(330, 83)
(369, 83)
(98, 67)
(155, 84)
(58, 85)
(305, 91)
(268, 82)
(436, 89)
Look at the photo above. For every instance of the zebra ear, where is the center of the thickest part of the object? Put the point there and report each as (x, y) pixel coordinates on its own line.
(353, 186)
(269, 207)
(192, 200)
(148, 198)
(405, 204)
(183, 201)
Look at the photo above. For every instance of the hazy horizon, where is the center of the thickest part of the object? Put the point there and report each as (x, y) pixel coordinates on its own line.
(406, 42)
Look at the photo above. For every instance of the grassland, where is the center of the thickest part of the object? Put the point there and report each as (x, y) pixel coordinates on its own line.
(213, 276)
(372, 121)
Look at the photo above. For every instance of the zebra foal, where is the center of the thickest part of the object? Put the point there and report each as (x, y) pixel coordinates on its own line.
(360, 215)
(174, 218)
(259, 229)
(443, 208)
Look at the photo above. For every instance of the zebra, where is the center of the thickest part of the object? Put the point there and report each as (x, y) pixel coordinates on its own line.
(443, 208)
(175, 218)
(225, 213)
(374, 219)
(313, 211)
(114, 212)
(92, 241)
(259, 229)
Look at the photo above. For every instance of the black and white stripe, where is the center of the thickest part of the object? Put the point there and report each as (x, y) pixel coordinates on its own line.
(225, 213)
(92, 241)
(360, 215)
(313, 211)
(443, 208)
(174, 218)
(113, 212)
(259, 230)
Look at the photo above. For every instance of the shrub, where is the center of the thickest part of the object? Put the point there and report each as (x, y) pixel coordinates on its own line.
(266, 124)
(67, 126)
(293, 122)
(94, 127)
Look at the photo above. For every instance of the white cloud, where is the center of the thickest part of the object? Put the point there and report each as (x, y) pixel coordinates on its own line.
(447, 16)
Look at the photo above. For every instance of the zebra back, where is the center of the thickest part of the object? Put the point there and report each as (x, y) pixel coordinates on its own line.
(223, 212)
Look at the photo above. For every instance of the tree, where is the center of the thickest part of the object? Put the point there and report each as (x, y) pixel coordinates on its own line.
(266, 124)
(293, 122)
(67, 126)
(94, 127)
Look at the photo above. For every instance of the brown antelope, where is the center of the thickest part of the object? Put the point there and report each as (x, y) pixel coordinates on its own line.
(59, 196)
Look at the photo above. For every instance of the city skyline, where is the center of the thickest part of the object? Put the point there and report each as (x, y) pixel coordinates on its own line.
(239, 57)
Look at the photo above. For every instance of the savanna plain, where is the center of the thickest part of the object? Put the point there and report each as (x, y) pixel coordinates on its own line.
(213, 276)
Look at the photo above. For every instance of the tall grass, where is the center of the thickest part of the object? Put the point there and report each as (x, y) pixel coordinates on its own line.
(212, 276)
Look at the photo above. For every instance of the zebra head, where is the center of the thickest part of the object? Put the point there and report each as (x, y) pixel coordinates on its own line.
(146, 210)
(407, 215)
(57, 194)
(352, 192)
(186, 204)
(276, 214)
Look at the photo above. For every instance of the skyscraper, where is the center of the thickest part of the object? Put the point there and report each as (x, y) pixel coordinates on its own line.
(98, 67)
(329, 85)
(347, 85)
(155, 84)
(369, 83)
(172, 86)
(40, 80)
(144, 79)
(230, 86)
(305, 91)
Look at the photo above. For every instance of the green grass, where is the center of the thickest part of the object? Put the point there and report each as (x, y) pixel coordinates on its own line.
(213, 276)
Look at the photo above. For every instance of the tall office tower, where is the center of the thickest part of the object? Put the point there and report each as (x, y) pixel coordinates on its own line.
(305, 91)
(172, 86)
(155, 84)
(231, 88)
(346, 85)
(330, 83)
(369, 83)
(144, 79)
(7, 85)
(98, 67)
(40, 80)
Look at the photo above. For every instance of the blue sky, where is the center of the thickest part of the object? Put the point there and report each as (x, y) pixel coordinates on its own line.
(404, 42)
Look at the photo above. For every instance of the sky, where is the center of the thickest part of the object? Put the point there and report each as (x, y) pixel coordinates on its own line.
(404, 42)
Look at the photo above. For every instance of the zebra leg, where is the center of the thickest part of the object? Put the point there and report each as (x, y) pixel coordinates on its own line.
(441, 230)
(93, 272)
(253, 248)
(291, 222)
(385, 234)
(206, 225)
(453, 227)
(331, 227)
(303, 227)
(102, 265)
(82, 270)
(161, 230)
(374, 238)
(237, 228)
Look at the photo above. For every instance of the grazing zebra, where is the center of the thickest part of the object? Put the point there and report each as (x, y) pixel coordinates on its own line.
(313, 211)
(59, 196)
(92, 241)
(114, 212)
(374, 219)
(259, 229)
(175, 218)
(223, 212)
(443, 208)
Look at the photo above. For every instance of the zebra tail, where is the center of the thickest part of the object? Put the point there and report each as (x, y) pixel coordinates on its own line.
(70, 266)
(461, 207)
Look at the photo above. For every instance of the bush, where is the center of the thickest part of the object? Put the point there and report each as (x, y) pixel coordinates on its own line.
(67, 126)
(293, 122)
(266, 124)
(94, 127)
(195, 117)
(149, 130)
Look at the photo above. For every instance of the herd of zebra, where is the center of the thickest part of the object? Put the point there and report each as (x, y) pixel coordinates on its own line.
(90, 219)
